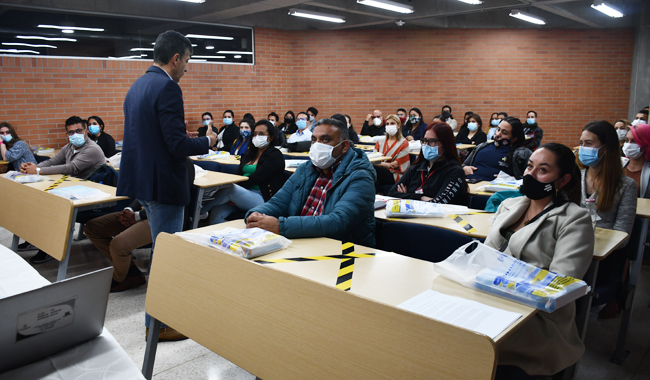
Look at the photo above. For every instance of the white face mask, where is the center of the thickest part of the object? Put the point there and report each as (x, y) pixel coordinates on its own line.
(272, 122)
(311, 118)
(621, 134)
(376, 121)
(632, 151)
(636, 121)
(260, 141)
(321, 155)
(391, 129)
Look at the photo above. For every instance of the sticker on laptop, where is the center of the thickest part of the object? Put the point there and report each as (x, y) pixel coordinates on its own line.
(45, 319)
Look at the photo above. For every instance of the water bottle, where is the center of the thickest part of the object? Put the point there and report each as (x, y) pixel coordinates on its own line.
(593, 212)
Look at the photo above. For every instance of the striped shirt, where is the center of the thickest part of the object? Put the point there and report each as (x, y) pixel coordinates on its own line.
(399, 151)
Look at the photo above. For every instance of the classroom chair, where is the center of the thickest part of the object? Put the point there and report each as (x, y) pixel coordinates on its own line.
(106, 175)
(209, 165)
(229, 168)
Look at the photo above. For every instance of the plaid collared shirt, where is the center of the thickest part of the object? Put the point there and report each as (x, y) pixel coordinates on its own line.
(316, 199)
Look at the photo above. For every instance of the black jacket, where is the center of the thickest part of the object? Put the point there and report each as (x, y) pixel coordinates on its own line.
(106, 142)
(269, 174)
(229, 136)
(536, 132)
(353, 135)
(204, 130)
(288, 128)
(478, 138)
(371, 130)
(446, 185)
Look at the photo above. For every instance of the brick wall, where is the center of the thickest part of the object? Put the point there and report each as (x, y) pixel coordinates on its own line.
(568, 76)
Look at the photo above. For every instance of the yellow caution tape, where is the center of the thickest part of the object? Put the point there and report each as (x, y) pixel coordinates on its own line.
(463, 223)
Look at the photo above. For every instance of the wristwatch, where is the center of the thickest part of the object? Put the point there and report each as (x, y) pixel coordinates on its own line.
(38, 171)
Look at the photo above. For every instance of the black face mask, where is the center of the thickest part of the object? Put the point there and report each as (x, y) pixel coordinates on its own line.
(500, 141)
(288, 120)
(536, 190)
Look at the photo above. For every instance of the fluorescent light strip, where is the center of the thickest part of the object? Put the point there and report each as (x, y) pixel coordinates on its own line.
(238, 56)
(18, 51)
(197, 60)
(233, 52)
(46, 38)
(607, 9)
(316, 15)
(193, 45)
(71, 28)
(209, 47)
(387, 5)
(129, 56)
(208, 56)
(208, 37)
(28, 45)
(516, 13)
(142, 49)
(67, 31)
(473, 2)
(193, 1)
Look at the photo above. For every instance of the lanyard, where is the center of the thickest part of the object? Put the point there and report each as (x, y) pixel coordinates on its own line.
(424, 180)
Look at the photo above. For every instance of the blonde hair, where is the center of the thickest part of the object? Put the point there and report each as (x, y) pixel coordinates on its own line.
(396, 119)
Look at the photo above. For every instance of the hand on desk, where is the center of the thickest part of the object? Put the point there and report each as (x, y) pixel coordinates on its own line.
(401, 188)
(469, 170)
(127, 218)
(425, 198)
(264, 222)
(28, 168)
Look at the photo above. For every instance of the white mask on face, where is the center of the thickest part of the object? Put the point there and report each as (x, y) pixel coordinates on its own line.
(632, 151)
(376, 121)
(621, 134)
(260, 141)
(321, 155)
(391, 129)
(272, 122)
(636, 121)
(311, 118)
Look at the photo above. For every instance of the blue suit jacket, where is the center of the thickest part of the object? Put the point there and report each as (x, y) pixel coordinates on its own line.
(155, 141)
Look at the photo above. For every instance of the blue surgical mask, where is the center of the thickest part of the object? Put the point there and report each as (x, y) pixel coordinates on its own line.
(244, 133)
(94, 129)
(472, 126)
(495, 122)
(530, 120)
(7, 138)
(302, 124)
(430, 152)
(77, 139)
(227, 120)
(206, 122)
(589, 156)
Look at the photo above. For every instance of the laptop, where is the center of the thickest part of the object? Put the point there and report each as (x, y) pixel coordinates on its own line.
(45, 321)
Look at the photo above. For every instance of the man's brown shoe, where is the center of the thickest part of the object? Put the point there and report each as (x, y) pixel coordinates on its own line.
(167, 334)
(128, 283)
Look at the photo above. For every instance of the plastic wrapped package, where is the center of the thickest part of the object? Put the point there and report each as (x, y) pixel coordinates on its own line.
(478, 266)
(247, 243)
(410, 208)
(24, 178)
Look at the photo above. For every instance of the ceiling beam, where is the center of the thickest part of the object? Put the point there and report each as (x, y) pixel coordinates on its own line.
(321, 5)
(245, 10)
(560, 12)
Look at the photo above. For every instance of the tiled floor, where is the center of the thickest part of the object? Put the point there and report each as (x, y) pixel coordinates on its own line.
(189, 360)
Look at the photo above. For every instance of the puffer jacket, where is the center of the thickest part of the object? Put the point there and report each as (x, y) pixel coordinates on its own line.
(348, 214)
(519, 159)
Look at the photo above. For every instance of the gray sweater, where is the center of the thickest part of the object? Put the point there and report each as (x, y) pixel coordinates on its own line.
(621, 216)
(75, 162)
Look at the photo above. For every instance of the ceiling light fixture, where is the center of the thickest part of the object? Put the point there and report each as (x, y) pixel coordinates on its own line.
(67, 31)
(516, 13)
(18, 51)
(238, 56)
(193, 1)
(473, 2)
(209, 47)
(208, 56)
(142, 49)
(129, 56)
(316, 15)
(388, 5)
(71, 28)
(197, 60)
(28, 45)
(607, 9)
(208, 37)
(233, 52)
(46, 38)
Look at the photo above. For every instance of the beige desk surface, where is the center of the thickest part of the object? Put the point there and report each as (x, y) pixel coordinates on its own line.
(212, 179)
(56, 151)
(297, 154)
(3, 162)
(643, 207)
(77, 182)
(474, 186)
(390, 279)
(227, 160)
(465, 146)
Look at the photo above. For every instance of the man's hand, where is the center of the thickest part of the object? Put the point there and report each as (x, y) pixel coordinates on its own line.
(401, 188)
(213, 136)
(127, 218)
(369, 117)
(425, 198)
(28, 168)
(409, 138)
(264, 222)
(469, 170)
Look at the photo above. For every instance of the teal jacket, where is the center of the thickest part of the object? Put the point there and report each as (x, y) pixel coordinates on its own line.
(349, 212)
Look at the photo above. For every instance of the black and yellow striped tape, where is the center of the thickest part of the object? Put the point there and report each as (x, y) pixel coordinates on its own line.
(463, 223)
(344, 279)
(57, 183)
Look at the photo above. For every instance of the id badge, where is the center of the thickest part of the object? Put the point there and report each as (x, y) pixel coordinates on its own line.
(419, 191)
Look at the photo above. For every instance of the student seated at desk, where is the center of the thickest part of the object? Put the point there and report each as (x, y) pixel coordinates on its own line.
(13, 149)
(505, 153)
(414, 127)
(374, 124)
(395, 146)
(302, 133)
(532, 131)
(263, 164)
(331, 196)
(637, 164)
(472, 133)
(436, 176)
(289, 125)
(547, 228)
(492, 128)
(240, 146)
(103, 139)
(79, 158)
(615, 197)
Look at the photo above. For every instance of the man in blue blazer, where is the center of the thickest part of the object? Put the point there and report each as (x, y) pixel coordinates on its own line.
(156, 143)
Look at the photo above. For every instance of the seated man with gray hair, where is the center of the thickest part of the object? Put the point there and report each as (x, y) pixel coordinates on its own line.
(332, 195)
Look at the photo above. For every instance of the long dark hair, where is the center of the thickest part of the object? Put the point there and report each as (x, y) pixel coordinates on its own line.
(445, 135)
(12, 132)
(99, 121)
(566, 162)
(408, 126)
(251, 153)
(518, 132)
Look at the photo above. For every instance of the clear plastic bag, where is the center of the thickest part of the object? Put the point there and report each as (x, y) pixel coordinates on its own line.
(24, 178)
(410, 208)
(478, 266)
(247, 243)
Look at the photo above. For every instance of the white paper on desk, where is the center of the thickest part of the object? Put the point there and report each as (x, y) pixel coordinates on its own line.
(199, 171)
(470, 315)
(76, 193)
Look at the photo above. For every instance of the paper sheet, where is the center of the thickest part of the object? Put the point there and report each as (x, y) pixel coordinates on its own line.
(460, 312)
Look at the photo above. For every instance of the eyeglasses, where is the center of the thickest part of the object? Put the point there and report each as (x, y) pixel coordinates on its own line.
(302, 118)
(78, 130)
(429, 142)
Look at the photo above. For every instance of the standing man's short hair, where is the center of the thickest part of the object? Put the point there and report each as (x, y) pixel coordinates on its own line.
(168, 44)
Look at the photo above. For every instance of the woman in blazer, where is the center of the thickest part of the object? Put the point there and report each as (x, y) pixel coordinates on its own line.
(263, 164)
(546, 228)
